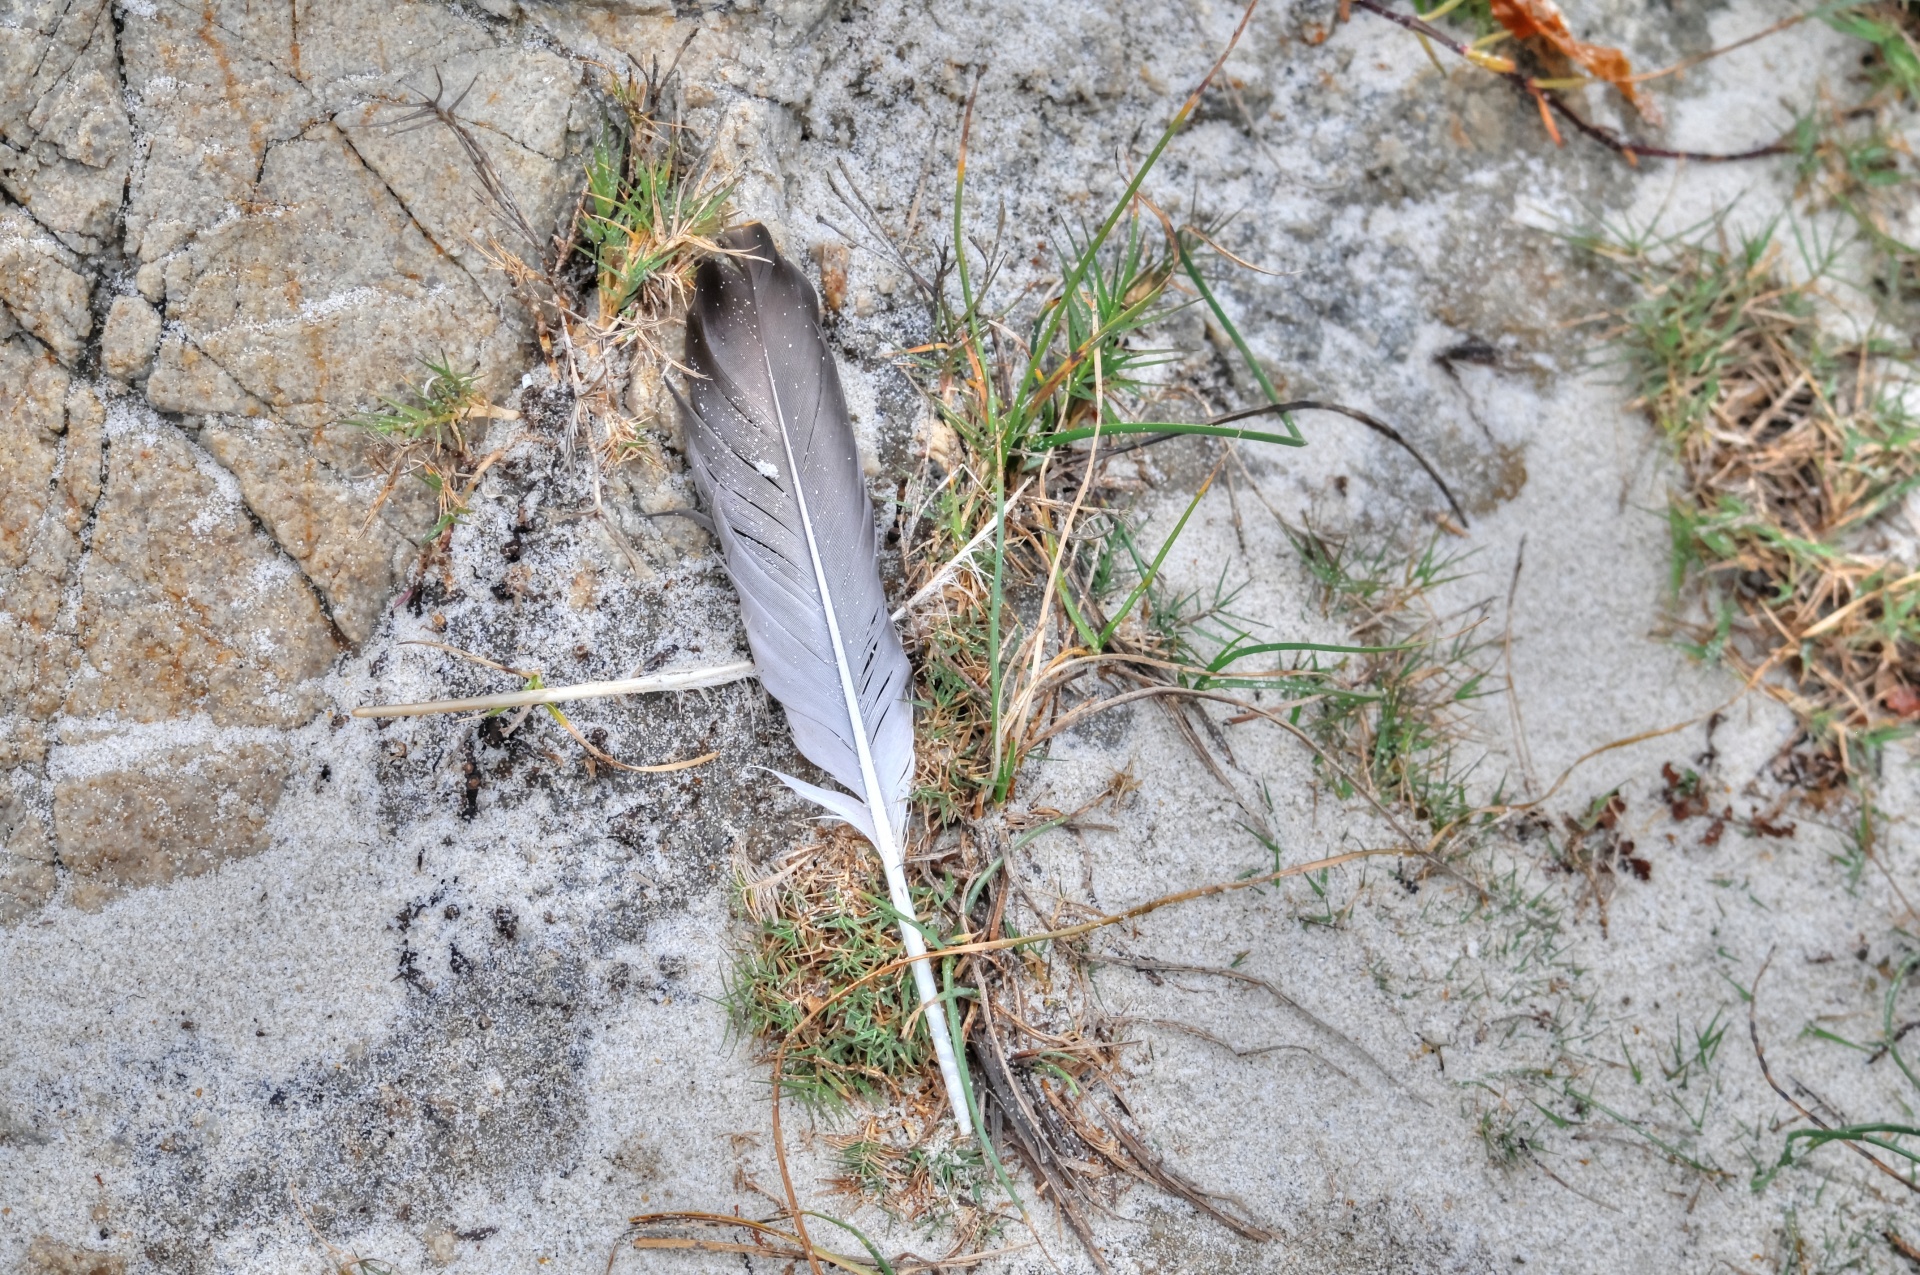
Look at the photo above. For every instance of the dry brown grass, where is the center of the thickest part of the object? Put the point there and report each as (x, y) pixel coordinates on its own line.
(1796, 457)
(609, 292)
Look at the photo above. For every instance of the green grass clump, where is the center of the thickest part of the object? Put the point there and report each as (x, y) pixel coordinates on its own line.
(1894, 67)
(432, 412)
(822, 929)
(645, 222)
(1791, 447)
(428, 433)
(1039, 397)
(1396, 711)
(1475, 15)
(929, 1184)
(1506, 1135)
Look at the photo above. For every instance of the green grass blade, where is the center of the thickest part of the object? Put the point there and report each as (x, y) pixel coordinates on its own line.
(1146, 580)
(885, 1267)
(1330, 648)
(1233, 333)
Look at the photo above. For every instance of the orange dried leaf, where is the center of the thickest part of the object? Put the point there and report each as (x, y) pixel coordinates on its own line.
(1526, 19)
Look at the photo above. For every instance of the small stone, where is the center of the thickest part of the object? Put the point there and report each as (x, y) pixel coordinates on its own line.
(48, 1256)
(176, 276)
(152, 281)
(440, 1247)
(126, 347)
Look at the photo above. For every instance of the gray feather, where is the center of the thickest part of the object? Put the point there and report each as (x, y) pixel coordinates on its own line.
(772, 450)
(773, 454)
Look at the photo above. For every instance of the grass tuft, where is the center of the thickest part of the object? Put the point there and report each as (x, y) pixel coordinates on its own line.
(1796, 453)
(1398, 712)
(429, 433)
(818, 925)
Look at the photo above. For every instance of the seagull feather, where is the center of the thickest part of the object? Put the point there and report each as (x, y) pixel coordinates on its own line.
(773, 454)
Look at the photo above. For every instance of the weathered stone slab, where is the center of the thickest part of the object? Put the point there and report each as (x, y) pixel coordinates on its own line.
(48, 1256)
(67, 139)
(38, 517)
(41, 286)
(27, 878)
(325, 520)
(330, 292)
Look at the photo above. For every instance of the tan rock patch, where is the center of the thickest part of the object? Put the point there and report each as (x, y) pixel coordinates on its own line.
(322, 518)
(181, 814)
(38, 284)
(43, 500)
(48, 1256)
(27, 878)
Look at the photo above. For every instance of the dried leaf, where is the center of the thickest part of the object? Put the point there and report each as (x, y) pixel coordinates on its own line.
(1526, 19)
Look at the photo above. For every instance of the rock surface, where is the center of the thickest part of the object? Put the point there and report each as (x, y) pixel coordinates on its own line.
(437, 992)
(207, 210)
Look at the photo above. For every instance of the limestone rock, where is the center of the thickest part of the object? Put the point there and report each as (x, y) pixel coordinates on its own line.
(315, 250)
(211, 97)
(22, 743)
(180, 814)
(40, 284)
(345, 292)
(86, 443)
(184, 379)
(27, 877)
(33, 392)
(185, 606)
(126, 346)
(38, 517)
(297, 251)
(517, 108)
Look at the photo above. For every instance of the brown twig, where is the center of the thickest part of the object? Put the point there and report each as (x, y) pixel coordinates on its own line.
(1632, 149)
(1238, 1051)
(1152, 965)
(1373, 423)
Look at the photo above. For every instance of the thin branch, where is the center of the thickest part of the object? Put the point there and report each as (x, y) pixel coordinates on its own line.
(1529, 88)
(682, 680)
(1373, 423)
